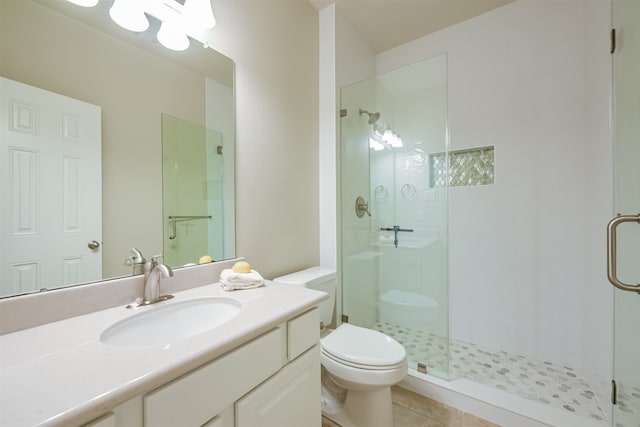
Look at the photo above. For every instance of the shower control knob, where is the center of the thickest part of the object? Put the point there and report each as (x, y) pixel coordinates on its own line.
(362, 207)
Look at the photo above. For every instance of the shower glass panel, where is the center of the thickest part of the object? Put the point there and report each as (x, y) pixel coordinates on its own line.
(626, 69)
(394, 239)
(192, 187)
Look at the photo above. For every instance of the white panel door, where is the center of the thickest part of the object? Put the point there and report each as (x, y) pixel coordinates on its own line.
(50, 187)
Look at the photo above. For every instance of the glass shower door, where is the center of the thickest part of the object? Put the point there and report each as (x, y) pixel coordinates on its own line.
(626, 72)
(192, 187)
(394, 215)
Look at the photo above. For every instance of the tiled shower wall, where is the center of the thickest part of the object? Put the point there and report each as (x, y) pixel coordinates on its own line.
(525, 254)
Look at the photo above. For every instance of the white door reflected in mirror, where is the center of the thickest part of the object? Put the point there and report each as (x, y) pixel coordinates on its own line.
(51, 181)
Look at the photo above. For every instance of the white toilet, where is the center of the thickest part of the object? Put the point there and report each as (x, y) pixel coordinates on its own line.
(359, 365)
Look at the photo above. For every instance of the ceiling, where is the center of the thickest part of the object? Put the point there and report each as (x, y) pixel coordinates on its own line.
(386, 24)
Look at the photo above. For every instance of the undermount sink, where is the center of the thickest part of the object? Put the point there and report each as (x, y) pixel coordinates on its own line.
(167, 324)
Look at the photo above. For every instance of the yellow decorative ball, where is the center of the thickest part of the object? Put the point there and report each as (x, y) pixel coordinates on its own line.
(241, 267)
(205, 259)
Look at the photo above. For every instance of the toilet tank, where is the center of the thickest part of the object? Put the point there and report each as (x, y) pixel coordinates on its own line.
(318, 278)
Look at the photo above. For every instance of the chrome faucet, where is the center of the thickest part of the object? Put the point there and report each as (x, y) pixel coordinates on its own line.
(153, 272)
(136, 261)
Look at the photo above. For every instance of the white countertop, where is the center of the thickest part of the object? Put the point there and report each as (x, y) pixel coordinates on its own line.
(61, 374)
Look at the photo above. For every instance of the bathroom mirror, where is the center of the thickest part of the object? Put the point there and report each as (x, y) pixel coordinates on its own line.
(80, 53)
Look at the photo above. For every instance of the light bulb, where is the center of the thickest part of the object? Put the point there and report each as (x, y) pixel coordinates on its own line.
(396, 141)
(129, 14)
(84, 3)
(375, 145)
(387, 136)
(172, 37)
(199, 14)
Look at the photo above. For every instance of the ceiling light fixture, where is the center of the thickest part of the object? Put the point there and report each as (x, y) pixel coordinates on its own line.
(385, 137)
(84, 3)
(375, 145)
(199, 13)
(179, 18)
(171, 36)
(129, 14)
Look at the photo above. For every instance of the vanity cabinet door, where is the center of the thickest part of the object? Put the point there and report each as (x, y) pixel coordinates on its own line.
(108, 420)
(291, 398)
(128, 414)
(224, 419)
(302, 332)
(196, 398)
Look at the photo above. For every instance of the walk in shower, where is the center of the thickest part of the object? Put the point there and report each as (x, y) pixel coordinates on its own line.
(446, 246)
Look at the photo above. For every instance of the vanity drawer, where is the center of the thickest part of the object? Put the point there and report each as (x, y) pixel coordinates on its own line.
(197, 397)
(303, 332)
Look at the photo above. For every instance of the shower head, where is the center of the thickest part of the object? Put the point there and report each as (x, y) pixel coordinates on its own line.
(373, 117)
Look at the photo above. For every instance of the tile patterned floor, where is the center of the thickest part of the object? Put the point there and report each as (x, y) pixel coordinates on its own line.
(545, 382)
(628, 412)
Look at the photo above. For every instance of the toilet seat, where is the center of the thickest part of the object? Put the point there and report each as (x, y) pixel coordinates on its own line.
(363, 348)
(326, 355)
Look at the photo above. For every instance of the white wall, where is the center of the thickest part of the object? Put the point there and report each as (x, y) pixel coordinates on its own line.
(221, 119)
(275, 47)
(327, 138)
(526, 254)
(345, 58)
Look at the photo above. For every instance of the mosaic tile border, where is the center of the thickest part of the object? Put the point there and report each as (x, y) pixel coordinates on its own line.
(469, 167)
(558, 386)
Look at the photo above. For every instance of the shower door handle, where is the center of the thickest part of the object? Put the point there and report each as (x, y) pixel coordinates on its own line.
(612, 252)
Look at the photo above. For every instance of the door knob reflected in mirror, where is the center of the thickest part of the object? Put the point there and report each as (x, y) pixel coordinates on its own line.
(93, 245)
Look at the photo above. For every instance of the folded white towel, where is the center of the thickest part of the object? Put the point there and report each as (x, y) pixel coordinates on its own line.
(232, 281)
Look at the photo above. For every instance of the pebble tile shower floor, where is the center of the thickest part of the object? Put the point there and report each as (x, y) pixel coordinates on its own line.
(545, 382)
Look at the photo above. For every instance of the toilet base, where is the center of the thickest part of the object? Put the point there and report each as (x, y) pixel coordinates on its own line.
(371, 408)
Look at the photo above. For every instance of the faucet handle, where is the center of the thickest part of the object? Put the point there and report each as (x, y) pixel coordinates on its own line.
(154, 259)
(151, 263)
(135, 258)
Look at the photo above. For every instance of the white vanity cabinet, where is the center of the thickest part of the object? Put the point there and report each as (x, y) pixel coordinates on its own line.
(272, 380)
(290, 398)
(126, 414)
(107, 420)
(285, 400)
(201, 395)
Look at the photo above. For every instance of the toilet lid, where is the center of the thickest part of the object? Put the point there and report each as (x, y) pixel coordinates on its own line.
(362, 346)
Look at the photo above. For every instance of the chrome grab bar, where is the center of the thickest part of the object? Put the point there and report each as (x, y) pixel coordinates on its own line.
(175, 218)
(612, 252)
